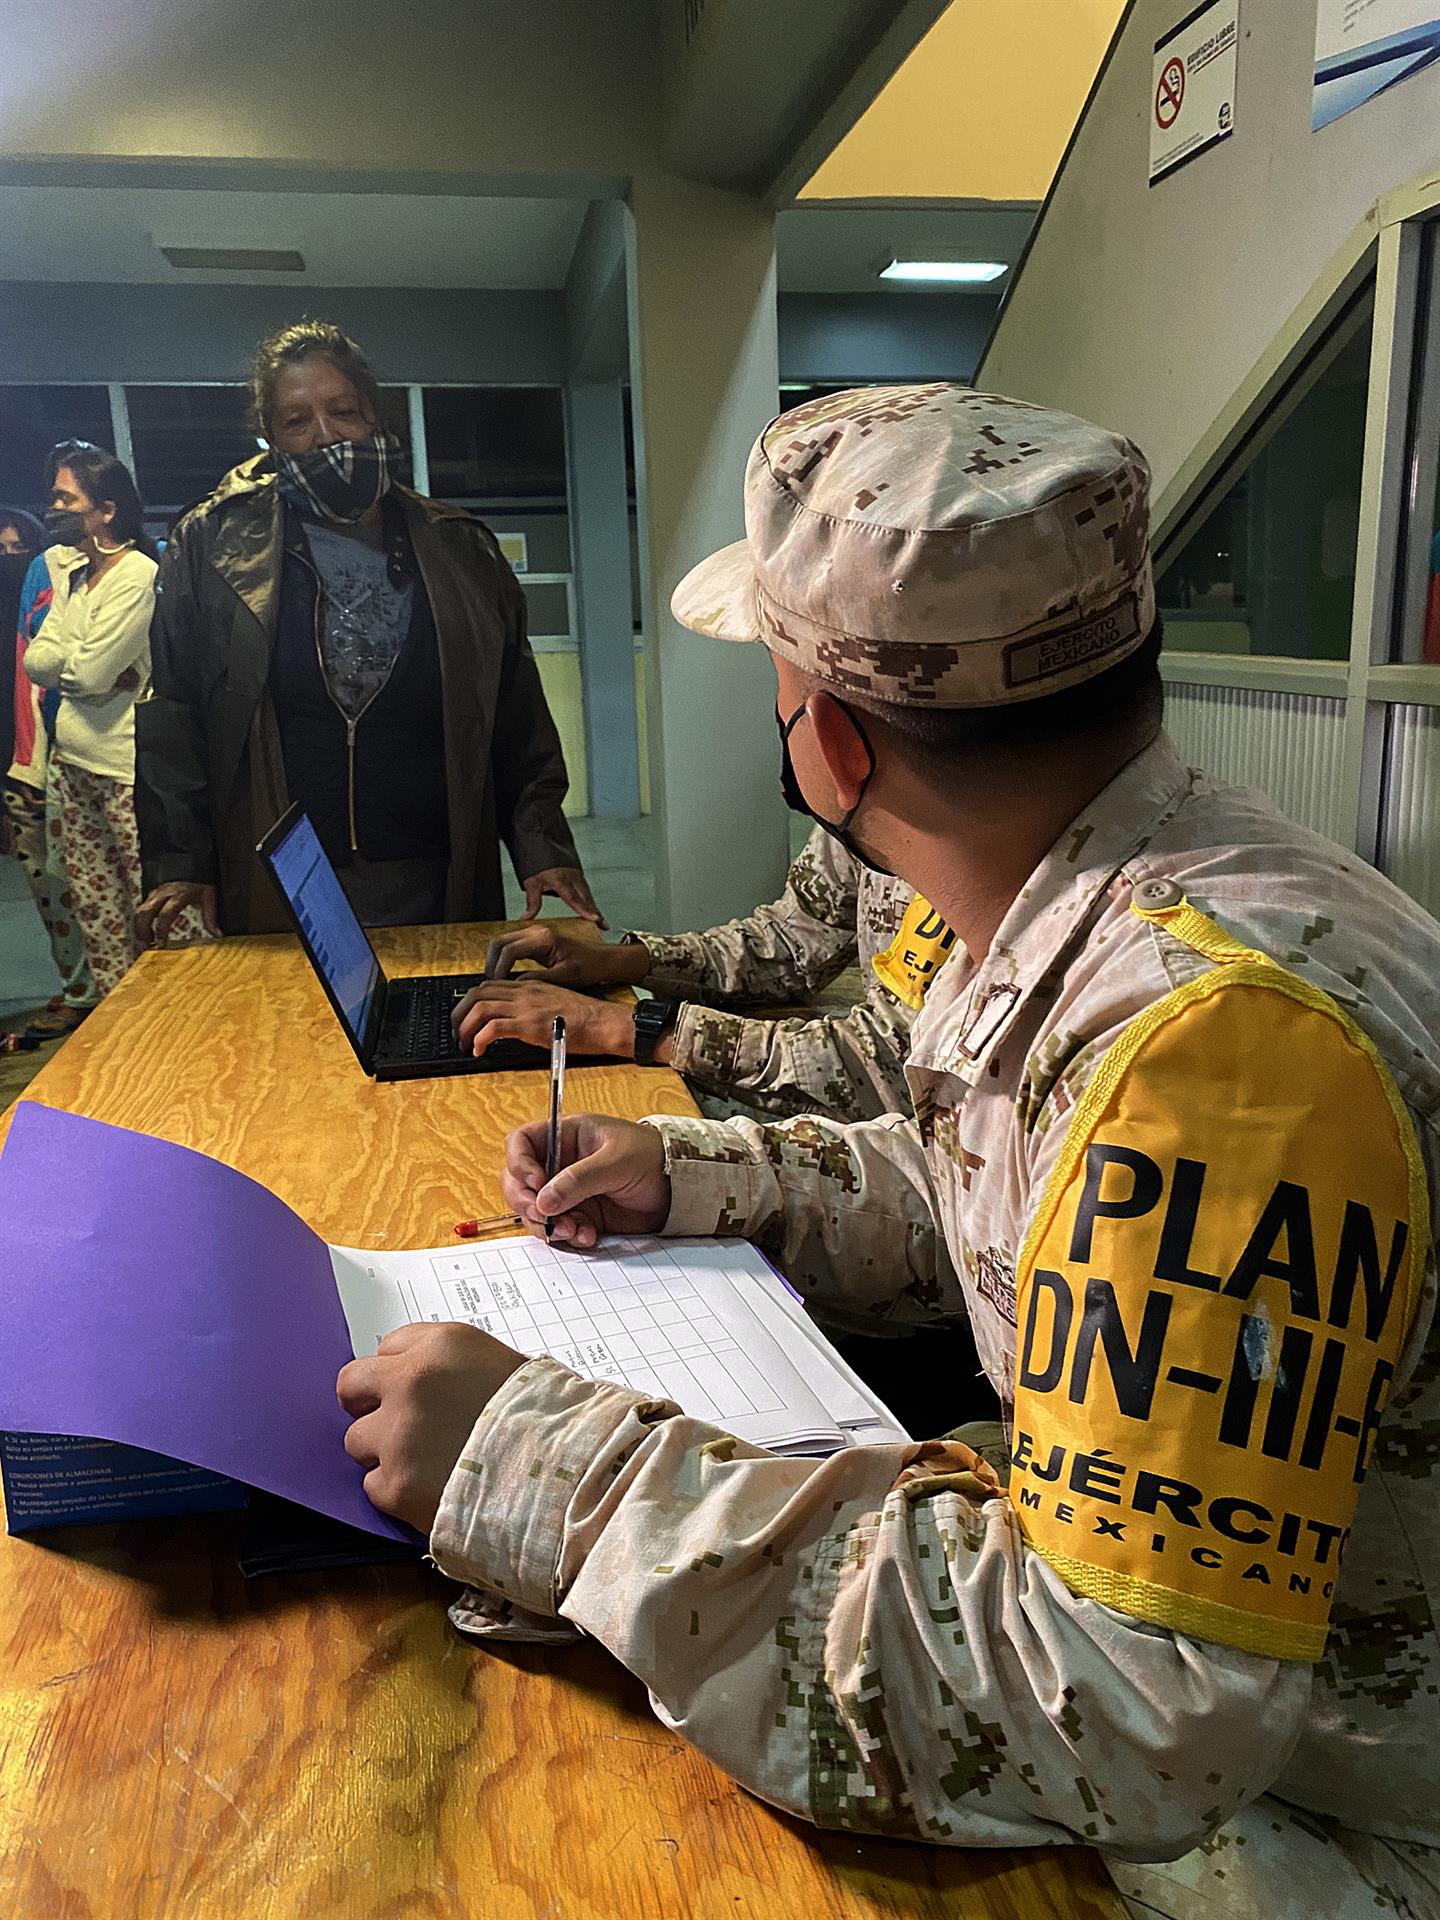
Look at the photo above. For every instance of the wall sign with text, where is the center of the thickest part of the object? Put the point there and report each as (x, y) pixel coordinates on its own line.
(1192, 86)
(1365, 47)
(516, 549)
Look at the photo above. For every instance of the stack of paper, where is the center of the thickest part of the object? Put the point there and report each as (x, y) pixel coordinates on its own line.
(151, 1296)
(705, 1323)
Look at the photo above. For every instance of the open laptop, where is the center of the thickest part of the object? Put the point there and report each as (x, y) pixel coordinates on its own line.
(400, 1029)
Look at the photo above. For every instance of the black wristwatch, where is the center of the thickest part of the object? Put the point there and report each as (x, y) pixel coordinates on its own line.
(653, 1020)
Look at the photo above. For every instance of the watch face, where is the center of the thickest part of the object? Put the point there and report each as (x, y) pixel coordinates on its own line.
(653, 1018)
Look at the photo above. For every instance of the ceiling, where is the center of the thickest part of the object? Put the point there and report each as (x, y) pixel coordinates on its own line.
(841, 248)
(114, 235)
(982, 107)
(748, 83)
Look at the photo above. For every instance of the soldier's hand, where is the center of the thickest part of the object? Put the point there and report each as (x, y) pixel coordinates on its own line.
(524, 1009)
(566, 961)
(612, 1179)
(414, 1403)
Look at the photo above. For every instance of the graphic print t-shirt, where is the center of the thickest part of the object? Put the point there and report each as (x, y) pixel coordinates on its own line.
(364, 615)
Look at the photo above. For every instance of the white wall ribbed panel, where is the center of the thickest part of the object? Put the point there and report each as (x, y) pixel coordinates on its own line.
(1410, 804)
(1286, 744)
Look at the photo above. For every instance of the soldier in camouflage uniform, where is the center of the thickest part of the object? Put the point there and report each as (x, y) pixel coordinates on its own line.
(833, 912)
(1175, 1148)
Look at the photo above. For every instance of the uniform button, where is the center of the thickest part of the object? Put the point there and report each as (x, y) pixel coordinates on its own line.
(1156, 895)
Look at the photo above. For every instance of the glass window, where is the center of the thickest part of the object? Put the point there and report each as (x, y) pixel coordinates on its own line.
(1416, 632)
(1270, 569)
(547, 610)
(32, 419)
(186, 439)
(496, 446)
(395, 419)
(794, 394)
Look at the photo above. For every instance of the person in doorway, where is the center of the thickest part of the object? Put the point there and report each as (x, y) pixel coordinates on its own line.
(21, 535)
(93, 650)
(21, 538)
(32, 819)
(1183, 1102)
(325, 635)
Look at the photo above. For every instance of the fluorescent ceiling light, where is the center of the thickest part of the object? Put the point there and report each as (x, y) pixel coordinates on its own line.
(963, 273)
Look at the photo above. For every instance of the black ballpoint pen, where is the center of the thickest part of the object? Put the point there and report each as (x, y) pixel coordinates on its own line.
(557, 1096)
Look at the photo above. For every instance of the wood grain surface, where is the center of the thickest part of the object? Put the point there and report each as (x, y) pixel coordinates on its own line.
(177, 1743)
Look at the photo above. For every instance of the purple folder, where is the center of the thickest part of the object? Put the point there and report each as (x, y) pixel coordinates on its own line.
(150, 1295)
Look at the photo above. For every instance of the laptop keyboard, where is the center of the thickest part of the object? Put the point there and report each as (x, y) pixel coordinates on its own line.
(422, 1031)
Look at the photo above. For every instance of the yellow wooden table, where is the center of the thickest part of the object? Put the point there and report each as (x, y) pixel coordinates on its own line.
(179, 1744)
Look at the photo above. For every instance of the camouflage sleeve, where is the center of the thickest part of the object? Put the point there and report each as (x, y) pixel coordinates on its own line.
(847, 1066)
(783, 952)
(848, 1213)
(863, 1641)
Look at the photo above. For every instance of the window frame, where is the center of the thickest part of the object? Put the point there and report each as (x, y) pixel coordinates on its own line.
(1387, 249)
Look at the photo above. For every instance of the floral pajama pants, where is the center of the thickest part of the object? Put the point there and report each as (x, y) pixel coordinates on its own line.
(101, 850)
(35, 827)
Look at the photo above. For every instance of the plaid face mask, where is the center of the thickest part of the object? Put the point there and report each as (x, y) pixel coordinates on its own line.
(340, 482)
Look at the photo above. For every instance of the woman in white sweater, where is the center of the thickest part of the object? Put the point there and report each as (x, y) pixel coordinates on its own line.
(94, 648)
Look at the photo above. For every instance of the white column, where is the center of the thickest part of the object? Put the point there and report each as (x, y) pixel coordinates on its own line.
(419, 451)
(600, 557)
(120, 424)
(705, 378)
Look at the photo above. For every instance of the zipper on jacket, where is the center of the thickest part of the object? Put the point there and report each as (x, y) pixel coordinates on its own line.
(350, 788)
(350, 724)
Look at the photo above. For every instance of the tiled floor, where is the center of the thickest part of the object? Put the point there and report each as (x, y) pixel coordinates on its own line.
(616, 855)
(27, 977)
(618, 859)
(27, 973)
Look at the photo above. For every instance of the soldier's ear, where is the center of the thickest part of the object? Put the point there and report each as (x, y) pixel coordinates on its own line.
(843, 743)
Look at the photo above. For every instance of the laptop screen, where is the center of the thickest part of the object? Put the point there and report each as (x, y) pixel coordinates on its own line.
(332, 931)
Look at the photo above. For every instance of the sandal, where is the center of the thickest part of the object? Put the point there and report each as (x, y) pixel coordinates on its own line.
(55, 1023)
(16, 1043)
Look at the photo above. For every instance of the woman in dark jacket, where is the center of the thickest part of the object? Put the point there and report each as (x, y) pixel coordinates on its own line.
(326, 636)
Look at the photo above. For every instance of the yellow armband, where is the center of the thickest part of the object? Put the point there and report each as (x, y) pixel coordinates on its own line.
(915, 955)
(1212, 1298)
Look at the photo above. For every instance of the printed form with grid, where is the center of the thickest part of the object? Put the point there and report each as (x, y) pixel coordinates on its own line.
(705, 1323)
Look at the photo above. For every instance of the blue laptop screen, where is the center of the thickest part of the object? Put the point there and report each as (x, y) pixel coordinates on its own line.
(336, 938)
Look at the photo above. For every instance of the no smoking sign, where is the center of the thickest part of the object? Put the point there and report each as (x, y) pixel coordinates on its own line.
(1170, 95)
(1192, 85)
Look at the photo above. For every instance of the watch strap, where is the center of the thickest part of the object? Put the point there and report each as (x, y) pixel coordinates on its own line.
(653, 1020)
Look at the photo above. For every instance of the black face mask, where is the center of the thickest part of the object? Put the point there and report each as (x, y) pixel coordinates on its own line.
(796, 801)
(64, 527)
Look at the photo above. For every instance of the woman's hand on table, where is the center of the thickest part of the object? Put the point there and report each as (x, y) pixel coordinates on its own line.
(566, 883)
(413, 1404)
(524, 1009)
(612, 1179)
(162, 907)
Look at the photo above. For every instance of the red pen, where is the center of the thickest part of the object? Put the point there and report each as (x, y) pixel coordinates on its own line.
(468, 1229)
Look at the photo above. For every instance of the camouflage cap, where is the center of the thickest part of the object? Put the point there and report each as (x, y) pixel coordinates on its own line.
(935, 546)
